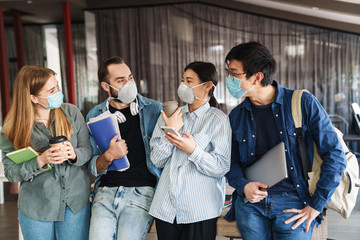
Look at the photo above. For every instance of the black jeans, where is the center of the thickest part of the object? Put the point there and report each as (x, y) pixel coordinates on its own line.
(204, 230)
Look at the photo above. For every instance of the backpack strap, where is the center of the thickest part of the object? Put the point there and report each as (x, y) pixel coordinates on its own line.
(297, 116)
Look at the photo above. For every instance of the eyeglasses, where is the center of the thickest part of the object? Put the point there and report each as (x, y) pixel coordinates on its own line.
(228, 72)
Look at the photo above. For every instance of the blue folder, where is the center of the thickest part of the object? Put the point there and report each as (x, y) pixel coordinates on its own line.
(103, 131)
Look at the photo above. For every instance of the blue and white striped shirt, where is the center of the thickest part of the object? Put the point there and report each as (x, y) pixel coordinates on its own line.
(192, 187)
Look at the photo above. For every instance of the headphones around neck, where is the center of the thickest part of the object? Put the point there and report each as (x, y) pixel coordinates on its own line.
(134, 109)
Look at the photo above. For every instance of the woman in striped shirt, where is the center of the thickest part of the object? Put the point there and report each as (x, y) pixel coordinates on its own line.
(191, 190)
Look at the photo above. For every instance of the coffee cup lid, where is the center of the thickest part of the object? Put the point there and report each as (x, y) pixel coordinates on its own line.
(58, 139)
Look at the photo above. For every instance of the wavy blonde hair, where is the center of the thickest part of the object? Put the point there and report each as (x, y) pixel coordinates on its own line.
(19, 122)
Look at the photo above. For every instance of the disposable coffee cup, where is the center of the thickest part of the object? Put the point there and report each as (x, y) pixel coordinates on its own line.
(170, 107)
(58, 141)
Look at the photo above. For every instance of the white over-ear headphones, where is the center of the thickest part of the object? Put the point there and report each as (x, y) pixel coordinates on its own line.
(134, 109)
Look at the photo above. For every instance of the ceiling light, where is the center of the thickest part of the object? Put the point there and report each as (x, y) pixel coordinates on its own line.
(315, 8)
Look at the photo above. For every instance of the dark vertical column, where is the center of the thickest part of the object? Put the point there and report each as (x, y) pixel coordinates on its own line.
(69, 53)
(4, 76)
(19, 39)
(4, 82)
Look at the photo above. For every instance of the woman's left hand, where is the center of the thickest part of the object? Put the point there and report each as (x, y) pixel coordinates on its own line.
(175, 121)
(68, 151)
(184, 144)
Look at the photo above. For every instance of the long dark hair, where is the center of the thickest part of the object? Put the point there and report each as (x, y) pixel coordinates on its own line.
(206, 72)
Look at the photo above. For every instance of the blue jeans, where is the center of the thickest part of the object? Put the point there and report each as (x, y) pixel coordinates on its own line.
(121, 213)
(74, 226)
(265, 219)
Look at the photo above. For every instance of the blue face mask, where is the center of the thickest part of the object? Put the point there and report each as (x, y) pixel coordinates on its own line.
(54, 100)
(233, 86)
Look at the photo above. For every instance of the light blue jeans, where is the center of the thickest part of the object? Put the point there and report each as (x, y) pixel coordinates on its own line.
(121, 213)
(265, 220)
(74, 226)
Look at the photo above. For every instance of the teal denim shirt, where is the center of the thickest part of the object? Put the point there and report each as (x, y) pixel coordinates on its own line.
(44, 194)
(149, 112)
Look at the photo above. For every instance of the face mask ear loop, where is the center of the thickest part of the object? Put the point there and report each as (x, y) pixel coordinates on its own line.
(112, 86)
(250, 88)
(43, 105)
(198, 85)
(111, 97)
(201, 99)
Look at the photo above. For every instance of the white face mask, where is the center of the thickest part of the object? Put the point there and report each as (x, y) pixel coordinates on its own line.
(127, 93)
(186, 93)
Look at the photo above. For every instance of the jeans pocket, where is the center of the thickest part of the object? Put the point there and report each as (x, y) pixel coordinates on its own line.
(143, 197)
(146, 192)
(145, 207)
(100, 189)
(99, 195)
(292, 200)
(292, 195)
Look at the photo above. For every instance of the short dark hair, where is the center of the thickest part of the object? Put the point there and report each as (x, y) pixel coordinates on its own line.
(207, 73)
(254, 58)
(103, 68)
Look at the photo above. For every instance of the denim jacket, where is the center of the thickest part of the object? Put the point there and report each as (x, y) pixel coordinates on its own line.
(317, 128)
(149, 112)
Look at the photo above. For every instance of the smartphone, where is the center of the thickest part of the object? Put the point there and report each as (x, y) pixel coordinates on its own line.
(169, 129)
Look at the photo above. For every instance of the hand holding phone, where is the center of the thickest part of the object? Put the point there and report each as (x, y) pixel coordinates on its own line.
(169, 130)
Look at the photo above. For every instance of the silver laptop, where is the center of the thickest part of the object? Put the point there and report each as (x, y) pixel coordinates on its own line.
(270, 168)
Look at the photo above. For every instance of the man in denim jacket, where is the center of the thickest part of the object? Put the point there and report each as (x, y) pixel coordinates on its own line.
(123, 198)
(261, 121)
